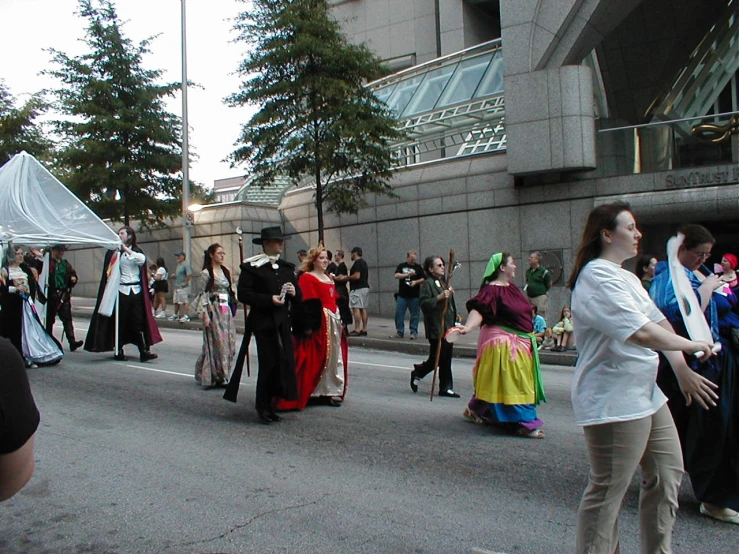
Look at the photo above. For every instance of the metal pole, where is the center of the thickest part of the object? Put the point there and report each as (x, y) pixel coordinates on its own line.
(186, 248)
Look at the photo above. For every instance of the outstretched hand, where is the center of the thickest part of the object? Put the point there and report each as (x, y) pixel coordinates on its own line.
(463, 329)
(698, 388)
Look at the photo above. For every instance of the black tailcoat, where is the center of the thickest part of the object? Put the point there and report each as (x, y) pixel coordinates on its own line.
(271, 326)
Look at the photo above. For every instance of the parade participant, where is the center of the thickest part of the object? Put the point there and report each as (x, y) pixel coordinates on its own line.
(614, 394)
(183, 275)
(34, 259)
(62, 279)
(433, 293)
(213, 304)
(267, 285)
(136, 324)
(19, 419)
(645, 269)
(710, 440)
(506, 376)
(728, 264)
(321, 349)
(19, 321)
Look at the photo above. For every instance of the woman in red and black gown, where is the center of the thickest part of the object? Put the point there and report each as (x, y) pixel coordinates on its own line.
(321, 353)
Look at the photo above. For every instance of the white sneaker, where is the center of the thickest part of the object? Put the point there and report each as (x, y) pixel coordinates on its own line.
(173, 317)
(184, 319)
(160, 315)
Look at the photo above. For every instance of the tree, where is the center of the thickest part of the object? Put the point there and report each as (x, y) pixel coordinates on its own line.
(316, 118)
(122, 148)
(18, 130)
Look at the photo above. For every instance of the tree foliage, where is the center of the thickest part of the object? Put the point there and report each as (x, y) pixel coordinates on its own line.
(121, 148)
(18, 128)
(316, 117)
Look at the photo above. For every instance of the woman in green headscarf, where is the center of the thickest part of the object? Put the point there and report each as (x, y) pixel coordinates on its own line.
(506, 376)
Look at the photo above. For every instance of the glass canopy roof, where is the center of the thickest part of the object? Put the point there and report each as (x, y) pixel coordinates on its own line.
(450, 106)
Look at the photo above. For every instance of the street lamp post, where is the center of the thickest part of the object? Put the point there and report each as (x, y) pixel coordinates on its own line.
(186, 226)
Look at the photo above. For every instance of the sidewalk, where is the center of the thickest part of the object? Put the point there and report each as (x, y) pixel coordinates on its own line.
(380, 329)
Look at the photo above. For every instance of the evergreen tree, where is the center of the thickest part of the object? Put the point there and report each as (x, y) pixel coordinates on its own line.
(316, 119)
(18, 130)
(121, 147)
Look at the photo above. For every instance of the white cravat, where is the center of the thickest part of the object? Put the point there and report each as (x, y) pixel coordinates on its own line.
(260, 259)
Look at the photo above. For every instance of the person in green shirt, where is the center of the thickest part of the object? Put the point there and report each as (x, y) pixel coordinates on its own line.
(62, 279)
(538, 282)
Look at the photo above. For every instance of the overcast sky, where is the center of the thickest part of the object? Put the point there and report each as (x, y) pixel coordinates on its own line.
(30, 26)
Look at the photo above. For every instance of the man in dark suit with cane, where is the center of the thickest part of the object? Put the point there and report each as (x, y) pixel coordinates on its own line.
(267, 284)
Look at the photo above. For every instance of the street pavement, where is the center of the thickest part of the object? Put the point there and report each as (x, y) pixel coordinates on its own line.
(136, 458)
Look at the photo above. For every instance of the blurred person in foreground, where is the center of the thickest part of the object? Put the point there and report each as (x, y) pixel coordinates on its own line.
(19, 420)
(615, 397)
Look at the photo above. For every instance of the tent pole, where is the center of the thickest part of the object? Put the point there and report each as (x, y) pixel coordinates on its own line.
(116, 323)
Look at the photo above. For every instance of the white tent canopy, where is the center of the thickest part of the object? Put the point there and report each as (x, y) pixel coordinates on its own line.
(38, 210)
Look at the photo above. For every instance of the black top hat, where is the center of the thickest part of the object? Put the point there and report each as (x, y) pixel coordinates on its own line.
(270, 233)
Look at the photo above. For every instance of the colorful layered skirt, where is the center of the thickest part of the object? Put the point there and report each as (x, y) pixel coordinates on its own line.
(507, 380)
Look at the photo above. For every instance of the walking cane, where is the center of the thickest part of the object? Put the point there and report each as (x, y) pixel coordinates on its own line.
(447, 284)
(240, 233)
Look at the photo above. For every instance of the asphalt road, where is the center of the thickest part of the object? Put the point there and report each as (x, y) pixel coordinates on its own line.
(136, 458)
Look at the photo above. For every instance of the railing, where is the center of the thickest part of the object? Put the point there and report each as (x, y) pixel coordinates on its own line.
(661, 146)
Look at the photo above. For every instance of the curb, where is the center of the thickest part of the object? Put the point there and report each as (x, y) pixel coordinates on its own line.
(418, 347)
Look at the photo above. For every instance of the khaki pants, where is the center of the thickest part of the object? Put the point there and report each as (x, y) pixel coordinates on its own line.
(541, 304)
(614, 451)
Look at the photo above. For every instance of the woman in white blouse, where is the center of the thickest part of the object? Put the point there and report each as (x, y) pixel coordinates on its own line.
(615, 398)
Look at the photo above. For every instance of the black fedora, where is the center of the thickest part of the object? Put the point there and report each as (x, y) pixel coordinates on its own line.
(270, 233)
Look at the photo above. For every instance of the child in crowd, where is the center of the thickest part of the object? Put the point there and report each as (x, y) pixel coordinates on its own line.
(548, 342)
(540, 324)
(563, 330)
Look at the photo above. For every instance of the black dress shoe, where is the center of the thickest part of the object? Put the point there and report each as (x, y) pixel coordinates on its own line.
(263, 417)
(273, 416)
(120, 357)
(418, 367)
(74, 345)
(146, 356)
(448, 392)
(414, 382)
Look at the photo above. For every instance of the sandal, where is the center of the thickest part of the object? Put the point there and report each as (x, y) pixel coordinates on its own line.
(722, 516)
(530, 433)
(469, 415)
(354, 333)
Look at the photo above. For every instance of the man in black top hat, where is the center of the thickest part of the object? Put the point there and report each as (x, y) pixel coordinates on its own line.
(268, 286)
(62, 279)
